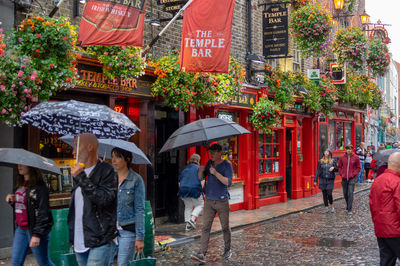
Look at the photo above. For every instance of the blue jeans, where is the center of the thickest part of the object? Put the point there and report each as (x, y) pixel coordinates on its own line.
(20, 247)
(99, 256)
(126, 248)
(361, 173)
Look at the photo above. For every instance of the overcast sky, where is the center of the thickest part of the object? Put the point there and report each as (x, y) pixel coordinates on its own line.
(388, 11)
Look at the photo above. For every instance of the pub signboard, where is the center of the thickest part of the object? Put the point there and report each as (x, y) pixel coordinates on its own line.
(172, 6)
(275, 31)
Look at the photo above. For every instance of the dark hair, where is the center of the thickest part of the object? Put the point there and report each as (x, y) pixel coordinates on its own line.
(35, 176)
(349, 147)
(215, 147)
(127, 155)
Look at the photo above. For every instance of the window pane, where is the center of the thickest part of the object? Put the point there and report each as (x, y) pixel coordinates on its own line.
(261, 166)
(275, 151)
(348, 135)
(276, 166)
(268, 138)
(260, 136)
(339, 136)
(323, 142)
(268, 166)
(331, 135)
(268, 152)
(275, 137)
(358, 135)
(230, 146)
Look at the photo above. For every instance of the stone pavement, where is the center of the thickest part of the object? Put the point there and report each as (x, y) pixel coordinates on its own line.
(174, 234)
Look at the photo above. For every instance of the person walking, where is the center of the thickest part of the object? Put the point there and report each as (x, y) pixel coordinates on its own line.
(326, 176)
(190, 191)
(130, 210)
(218, 173)
(367, 163)
(92, 216)
(384, 202)
(349, 167)
(361, 152)
(32, 215)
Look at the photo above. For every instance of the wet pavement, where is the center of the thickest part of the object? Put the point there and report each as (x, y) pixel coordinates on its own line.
(303, 238)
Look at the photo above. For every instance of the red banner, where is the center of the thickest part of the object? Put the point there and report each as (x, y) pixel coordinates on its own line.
(113, 22)
(206, 36)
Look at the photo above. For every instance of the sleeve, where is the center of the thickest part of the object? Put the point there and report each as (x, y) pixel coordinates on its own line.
(139, 208)
(317, 172)
(43, 219)
(340, 165)
(102, 194)
(228, 173)
(207, 168)
(357, 167)
(358, 151)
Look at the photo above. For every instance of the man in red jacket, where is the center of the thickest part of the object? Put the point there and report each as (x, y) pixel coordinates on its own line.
(349, 167)
(384, 203)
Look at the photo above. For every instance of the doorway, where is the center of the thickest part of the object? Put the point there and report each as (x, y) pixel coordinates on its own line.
(166, 166)
(289, 161)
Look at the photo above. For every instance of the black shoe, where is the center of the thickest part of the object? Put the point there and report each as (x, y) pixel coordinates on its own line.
(198, 257)
(227, 254)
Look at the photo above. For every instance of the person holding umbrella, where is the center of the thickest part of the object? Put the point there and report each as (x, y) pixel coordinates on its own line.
(33, 217)
(130, 208)
(218, 173)
(92, 211)
(326, 175)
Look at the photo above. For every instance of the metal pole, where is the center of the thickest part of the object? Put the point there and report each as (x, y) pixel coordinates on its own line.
(55, 9)
(148, 47)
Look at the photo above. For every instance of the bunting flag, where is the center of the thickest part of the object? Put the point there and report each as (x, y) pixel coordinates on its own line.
(206, 36)
(112, 22)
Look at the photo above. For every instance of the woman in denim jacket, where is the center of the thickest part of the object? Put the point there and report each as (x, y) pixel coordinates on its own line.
(130, 210)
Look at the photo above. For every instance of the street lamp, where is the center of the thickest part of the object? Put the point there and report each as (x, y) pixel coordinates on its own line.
(364, 18)
(338, 4)
(255, 58)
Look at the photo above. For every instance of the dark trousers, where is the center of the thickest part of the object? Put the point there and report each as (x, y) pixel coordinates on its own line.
(389, 250)
(367, 166)
(327, 196)
(348, 192)
(212, 207)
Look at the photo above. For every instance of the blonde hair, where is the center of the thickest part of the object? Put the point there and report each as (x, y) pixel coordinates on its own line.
(324, 160)
(195, 158)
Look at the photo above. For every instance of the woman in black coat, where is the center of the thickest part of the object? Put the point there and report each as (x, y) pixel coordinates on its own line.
(326, 174)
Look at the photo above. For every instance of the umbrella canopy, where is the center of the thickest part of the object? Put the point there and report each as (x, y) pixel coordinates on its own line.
(106, 145)
(383, 155)
(24, 157)
(74, 117)
(202, 132)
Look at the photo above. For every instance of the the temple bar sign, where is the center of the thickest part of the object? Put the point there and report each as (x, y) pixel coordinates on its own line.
(275, 31)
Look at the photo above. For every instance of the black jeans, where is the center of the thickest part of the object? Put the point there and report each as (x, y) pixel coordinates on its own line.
(367, 166)
(327, 196)
(348, 192)
(389, 250)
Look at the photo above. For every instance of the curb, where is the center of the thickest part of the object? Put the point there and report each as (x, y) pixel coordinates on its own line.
(188, 239)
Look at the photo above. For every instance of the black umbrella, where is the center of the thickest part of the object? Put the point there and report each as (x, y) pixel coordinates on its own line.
(202, 132)
(24, 157)
(74, 117)
(384, 155)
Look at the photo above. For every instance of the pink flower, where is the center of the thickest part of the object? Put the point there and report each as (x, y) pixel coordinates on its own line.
(2, 87)
(3, 111)
(20, 83)
(20, 73)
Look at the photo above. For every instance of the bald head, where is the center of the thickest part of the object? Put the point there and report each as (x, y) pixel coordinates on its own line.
(394, 162)
(88, 146)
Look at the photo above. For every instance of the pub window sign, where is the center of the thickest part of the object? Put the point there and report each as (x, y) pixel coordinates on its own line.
(275, 31)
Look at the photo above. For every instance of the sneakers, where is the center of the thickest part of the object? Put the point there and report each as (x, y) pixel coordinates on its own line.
(192, 223)
(349, 212)
(332, 209)
(188, 227)
(326, 210)
(227, 254)
(198, 257)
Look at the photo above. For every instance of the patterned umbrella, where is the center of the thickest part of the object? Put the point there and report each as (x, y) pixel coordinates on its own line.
(74, 117)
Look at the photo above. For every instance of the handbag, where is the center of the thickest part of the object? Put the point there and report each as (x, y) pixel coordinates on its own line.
(68, 259)
(140, 260)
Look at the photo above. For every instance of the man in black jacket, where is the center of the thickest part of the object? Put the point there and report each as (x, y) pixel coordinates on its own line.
(92, 213)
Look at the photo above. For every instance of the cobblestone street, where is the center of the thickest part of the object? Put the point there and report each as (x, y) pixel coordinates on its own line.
(309, 238)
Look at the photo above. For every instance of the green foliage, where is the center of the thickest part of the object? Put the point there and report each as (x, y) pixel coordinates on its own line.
(118, 62)
(378, 57)
(282, 85)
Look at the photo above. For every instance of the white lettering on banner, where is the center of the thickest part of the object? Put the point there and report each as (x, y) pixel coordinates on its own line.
(203, 40)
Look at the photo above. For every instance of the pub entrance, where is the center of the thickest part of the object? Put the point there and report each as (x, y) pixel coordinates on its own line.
(289, 161)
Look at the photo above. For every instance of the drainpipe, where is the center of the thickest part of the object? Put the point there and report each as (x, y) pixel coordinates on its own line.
(249, 48)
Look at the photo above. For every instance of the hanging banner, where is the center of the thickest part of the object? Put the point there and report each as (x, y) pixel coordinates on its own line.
(206, 36)
(115, 22)
(275, 31)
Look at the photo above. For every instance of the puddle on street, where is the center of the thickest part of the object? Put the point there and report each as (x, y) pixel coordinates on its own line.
(325, 242)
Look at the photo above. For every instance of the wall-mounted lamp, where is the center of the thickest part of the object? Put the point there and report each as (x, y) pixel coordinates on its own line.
(364, 18)
(255, 58)
(155, 22)
(338, 4)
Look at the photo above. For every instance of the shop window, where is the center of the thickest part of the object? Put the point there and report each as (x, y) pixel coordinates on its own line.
(339, 136)
(347, 133)
(268, 189)
(342, 114)
(268, 152)
(230, 146)
(332, 138)
(323, 143)
(358, 135)
(322, 118)
(350, 115)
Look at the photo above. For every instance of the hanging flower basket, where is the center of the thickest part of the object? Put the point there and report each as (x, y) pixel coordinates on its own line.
(118, 62)
(300, 3)
(378, 57)
(350, 47)
(266, 115)
(282, 84)
(180, 90)
(311, 26)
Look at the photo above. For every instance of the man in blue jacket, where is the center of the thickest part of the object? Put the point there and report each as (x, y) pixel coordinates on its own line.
(218, 173)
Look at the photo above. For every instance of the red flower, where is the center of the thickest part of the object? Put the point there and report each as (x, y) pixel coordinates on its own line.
(51, 65)
(38, 35)
(68, 79)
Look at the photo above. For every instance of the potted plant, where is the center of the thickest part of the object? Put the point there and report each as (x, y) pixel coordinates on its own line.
(311, 26)
(350, 47)
(378, 57)
(266, 114)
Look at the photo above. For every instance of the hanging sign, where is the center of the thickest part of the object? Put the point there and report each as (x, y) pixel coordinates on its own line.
(206, 36)
(275, 31)
(172, 6)
(313, 74)
(113, 22)
(338, 73)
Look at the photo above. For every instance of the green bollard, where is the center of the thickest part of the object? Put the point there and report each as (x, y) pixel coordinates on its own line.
(59, 235)
(148, 249)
